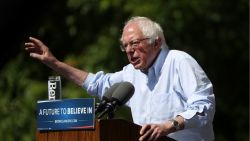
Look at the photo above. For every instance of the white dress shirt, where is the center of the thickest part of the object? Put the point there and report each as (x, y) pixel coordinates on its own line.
(174, 85)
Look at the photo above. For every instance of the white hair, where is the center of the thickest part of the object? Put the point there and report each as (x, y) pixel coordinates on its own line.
(149, 29)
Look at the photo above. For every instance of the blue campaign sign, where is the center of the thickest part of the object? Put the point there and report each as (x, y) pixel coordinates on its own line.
(68, 114)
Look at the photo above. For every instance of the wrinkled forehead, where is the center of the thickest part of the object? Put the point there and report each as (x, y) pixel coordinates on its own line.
(131, 31)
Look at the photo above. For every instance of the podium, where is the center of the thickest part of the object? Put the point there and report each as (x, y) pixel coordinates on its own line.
(105, 130)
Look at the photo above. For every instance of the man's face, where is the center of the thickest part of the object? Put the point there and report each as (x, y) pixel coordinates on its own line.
(143, 55)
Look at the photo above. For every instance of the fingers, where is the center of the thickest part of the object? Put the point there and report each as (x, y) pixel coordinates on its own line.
(144, 128)
(154, 135)
(151, 132)
(145, 136)
(36, 41)
(32, 48)
(36, 56)
(36, 48)
(145, 132)
(29, 44)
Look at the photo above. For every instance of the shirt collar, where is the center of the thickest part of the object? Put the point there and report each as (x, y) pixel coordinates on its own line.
(158, 64)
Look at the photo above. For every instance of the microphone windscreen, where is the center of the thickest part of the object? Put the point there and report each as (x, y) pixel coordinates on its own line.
(108, 94)
(123, 92)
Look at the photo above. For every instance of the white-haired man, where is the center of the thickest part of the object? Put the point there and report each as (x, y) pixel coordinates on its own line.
(173, 96)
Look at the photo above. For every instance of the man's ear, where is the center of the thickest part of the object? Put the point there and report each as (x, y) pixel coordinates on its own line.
(157, 42)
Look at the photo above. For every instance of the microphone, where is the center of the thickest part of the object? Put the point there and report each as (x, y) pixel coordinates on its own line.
(106, 98)
(120, 96)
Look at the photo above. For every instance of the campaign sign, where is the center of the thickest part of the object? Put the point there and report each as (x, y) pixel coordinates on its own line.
(68, 114)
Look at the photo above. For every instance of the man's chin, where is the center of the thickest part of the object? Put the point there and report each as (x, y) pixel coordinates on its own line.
(138, 66)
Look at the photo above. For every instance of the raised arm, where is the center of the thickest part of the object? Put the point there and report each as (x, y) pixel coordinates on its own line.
(41, 52)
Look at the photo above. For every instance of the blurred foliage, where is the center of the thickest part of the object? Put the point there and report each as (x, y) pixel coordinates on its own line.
(86, 33)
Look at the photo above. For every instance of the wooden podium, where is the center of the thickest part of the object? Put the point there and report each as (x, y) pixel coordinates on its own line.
(105, 130)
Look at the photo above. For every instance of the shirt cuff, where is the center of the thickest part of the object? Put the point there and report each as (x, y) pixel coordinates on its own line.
(194, 120)
(188, 114)
(87, 81)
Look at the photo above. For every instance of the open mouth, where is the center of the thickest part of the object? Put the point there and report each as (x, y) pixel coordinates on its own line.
(135, 60)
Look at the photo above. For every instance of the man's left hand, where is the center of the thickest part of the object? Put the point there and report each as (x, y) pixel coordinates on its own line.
(151, 132)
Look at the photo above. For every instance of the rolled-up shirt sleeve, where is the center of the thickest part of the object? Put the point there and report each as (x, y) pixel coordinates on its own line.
(97, 84)
(198, 92)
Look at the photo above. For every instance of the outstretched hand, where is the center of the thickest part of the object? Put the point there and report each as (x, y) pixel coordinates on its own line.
(39, 51)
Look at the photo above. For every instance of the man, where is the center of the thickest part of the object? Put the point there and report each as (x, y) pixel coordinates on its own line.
(173, 96)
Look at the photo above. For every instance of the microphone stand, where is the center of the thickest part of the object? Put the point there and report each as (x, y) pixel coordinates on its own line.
(110, 108)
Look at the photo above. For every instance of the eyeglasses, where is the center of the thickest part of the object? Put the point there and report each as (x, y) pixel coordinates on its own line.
(134, 44)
